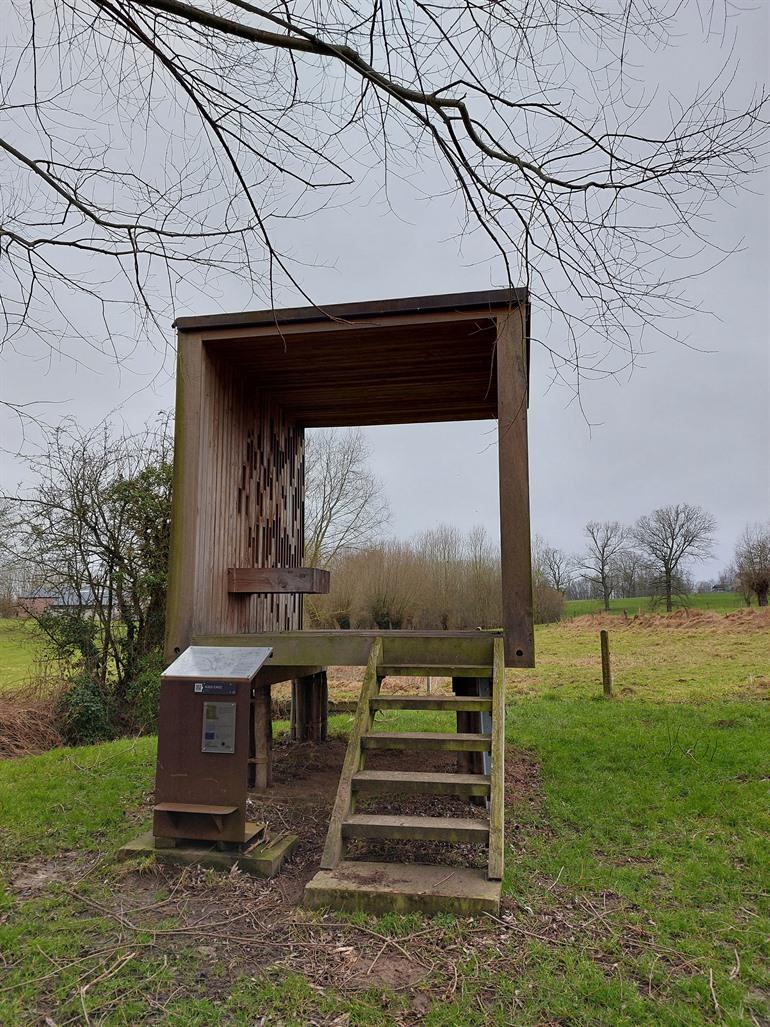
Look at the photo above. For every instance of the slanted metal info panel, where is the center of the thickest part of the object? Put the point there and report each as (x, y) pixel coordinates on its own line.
(204, 743)
(218, 663)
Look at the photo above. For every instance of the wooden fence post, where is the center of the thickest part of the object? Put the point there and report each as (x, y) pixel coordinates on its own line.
(604, 638)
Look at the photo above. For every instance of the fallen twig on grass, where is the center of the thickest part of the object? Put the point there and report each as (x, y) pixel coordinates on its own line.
(717, 1007)
(374, 934)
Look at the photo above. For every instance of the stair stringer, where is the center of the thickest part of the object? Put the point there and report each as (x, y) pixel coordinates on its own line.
(496, 864)
(362, 723)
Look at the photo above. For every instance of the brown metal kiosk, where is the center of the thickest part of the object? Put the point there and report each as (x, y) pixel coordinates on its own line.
(204, 750)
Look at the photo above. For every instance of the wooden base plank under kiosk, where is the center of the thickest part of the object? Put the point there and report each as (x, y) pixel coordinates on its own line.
(263, 859)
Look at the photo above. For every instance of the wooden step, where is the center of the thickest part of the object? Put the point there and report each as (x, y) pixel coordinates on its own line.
(413, 670)
(403, 888)
(462, 703)
(401, 782)
(427, 829)
(427, 740)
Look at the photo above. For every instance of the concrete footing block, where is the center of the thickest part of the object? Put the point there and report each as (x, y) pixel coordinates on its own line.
(403, 888)
(264, 859)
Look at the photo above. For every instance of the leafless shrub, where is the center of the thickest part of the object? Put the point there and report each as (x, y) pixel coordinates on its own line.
(28, 721)
(439, 580)
(548, 603)
(752, 561)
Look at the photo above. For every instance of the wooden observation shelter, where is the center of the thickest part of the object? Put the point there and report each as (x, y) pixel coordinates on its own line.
(248, 385)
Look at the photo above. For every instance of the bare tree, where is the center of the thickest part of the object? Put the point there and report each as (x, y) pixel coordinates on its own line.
(151, 147)
(96, 525)
(345, 507)
(440, 549)
(752, 561)
(557, 567)
(670, 537)
(482, 578)
(630, 573)
(548, 602)
(607, 540)
(19, 576)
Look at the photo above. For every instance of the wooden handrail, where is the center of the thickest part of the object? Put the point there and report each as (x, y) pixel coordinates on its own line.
(361, 725)
(497, 795)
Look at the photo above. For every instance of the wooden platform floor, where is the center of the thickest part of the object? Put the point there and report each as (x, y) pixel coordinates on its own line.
(403, 888)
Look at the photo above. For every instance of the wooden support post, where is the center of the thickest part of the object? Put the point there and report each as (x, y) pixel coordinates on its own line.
(515, 556)
(468, 723)
(182, 571)
(323, 698)
(310, 708)
(460, 687)
(299, 711)
(262, 776)
(604, 639)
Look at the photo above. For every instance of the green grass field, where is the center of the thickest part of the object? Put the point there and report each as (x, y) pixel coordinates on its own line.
(20, 646)
(721, 602)
(637, 876)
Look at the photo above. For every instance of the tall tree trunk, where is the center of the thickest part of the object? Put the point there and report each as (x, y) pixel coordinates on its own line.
(669, 593)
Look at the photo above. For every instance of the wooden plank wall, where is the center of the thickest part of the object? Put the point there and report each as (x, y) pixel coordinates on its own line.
(250, 507)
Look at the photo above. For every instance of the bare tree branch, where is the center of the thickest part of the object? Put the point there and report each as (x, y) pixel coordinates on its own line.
(150, 149)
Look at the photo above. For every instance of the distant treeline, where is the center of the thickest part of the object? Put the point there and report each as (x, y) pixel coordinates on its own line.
(441, 579)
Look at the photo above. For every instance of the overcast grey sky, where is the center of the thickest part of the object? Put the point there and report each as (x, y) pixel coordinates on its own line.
(691, 424)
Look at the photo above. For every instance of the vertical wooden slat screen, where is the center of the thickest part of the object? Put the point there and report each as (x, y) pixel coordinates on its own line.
(250, 503)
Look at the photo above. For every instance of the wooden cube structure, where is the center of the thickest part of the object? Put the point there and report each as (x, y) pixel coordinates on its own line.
(249, 384)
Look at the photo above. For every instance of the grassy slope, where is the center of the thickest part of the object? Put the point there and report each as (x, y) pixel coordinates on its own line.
(654, 815)
(696, 660)
(659, 809)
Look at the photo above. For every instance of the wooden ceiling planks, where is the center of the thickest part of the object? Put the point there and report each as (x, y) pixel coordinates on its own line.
(434, 364)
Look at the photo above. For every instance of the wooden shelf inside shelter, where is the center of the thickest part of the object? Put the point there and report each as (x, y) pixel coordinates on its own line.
(278, 580)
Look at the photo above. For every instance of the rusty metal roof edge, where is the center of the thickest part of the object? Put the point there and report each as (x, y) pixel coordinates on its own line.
(491, 299)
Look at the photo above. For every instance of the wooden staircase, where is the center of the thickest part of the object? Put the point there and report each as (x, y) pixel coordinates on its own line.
(385, 886)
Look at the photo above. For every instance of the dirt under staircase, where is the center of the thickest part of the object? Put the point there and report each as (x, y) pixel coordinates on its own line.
(379, 887)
